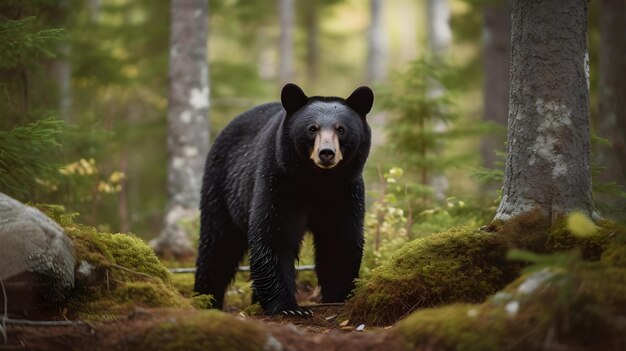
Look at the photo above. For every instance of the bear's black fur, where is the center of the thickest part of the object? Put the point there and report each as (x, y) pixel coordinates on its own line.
(273, 173)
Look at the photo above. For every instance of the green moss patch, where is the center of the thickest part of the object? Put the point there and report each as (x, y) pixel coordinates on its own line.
(115, 273)
(468, 265)
(206, 331)
(184, 282)
(573, 305)
(462, 264)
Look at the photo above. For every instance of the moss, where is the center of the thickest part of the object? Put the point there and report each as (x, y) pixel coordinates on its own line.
(202, 301)
(581, 306)
(615, 256)
(184, 282)
(468, 265)
(115, 272)
(453, 327)
(253, 310)
(239, 293)
(591, 246)
(460, 265)
(206, 331)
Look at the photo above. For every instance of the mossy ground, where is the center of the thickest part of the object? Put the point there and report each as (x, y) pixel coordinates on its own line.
(206, 331)
(464, 265)
(116, 273)
(572, 301)
(571, 305)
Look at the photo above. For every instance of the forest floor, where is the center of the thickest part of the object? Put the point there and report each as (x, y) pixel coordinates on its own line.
(320, 332)
(323, 331)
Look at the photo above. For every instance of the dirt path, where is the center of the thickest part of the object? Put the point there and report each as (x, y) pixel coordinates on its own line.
(321, 332)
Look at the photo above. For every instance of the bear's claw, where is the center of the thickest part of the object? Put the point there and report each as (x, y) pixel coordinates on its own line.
(302, 312)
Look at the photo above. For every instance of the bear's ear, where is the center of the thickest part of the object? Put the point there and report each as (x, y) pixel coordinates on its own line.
(292, 98)
(361, 100)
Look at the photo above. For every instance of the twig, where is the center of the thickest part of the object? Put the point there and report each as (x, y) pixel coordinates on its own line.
(327, 304)
(132, 271)
(40, 323)
(240, 269)
(3, 326)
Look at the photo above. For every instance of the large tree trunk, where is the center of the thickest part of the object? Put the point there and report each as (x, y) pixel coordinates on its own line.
(376, 60)
(439, 41)
(612, 89)
(497, 46)
(286, 10)
(188, 129)
(547, 166)
(311, 22)
(62, 71)
(438, 21)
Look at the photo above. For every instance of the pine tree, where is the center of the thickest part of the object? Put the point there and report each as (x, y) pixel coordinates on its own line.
(29, 152)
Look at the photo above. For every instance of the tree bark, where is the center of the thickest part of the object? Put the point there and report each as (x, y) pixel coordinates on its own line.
(188, 128)
(439, 40)
(497, 46)
(439, 32)
(62, 72)
(548, 152)
(612, 89)
(286, 10)
(312, 33)
(376, 60)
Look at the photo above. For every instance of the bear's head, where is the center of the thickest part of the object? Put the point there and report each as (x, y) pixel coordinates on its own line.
(329, 131)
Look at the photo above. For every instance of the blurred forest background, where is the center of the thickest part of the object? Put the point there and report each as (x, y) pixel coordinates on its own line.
(84, 102)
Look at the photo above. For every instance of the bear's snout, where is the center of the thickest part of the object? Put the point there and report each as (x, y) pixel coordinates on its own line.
(326, 152)
(327, 155)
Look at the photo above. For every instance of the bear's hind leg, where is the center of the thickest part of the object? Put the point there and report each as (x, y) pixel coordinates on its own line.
(220, 250)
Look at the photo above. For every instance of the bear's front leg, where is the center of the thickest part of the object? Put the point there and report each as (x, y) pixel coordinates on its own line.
(274, 240)
(338, 234)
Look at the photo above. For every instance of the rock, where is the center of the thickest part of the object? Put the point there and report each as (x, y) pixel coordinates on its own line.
(37, 259)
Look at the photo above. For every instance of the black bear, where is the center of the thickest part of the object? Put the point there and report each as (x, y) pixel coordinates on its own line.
(273, 173)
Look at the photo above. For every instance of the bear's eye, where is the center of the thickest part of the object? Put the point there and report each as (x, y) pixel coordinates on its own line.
(341, 130)
(313, 129)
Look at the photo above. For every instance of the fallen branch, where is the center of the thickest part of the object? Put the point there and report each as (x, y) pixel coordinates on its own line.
(327, 304)
(240, 269)
(39, 323)
(132, 271)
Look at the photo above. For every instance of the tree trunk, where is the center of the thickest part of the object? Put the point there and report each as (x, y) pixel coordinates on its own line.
(547, 166)
(187, 117)
(376, 60)
(312, 34)
(439, 40)
(62, 72)
(439, 32)
(612, 89)
(497, 46)
(286, 10)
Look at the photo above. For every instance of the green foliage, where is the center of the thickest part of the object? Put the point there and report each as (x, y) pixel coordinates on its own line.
(22, 44)
(202, 301)
(421, 105)
(396, 215)
(29, 157)
(385, 224)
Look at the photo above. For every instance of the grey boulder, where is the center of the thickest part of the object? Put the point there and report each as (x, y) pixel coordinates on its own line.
(37, 259)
